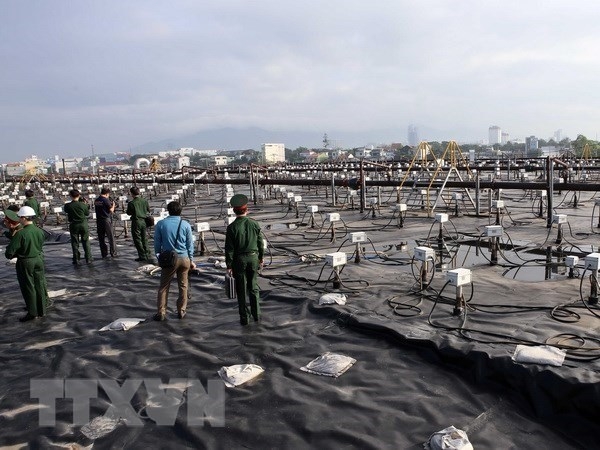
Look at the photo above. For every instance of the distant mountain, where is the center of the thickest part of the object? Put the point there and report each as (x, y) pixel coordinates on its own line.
(245, 138)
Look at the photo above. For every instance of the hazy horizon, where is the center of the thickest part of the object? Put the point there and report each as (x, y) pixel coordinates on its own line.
(121, 75)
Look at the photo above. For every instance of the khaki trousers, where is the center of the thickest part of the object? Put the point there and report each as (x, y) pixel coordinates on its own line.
(182, 269)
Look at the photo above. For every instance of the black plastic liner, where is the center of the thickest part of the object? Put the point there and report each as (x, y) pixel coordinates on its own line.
(419, 369)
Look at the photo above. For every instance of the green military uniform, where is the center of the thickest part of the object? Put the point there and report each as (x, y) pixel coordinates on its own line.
(244, 253)
(78, 212)
(12, 216)
(26, 245)
(10, 233)
(33, 203)
(138, 209)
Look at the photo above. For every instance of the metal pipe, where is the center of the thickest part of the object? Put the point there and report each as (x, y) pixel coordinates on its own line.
(550, 189)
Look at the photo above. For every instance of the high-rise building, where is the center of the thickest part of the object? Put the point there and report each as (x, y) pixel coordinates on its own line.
(273, 153)
(413, 136)
(558, 135)
(495, 135)
(531, 146)
(505, 137)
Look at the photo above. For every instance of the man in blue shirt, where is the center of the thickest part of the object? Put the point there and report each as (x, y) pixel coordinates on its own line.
(174, 233)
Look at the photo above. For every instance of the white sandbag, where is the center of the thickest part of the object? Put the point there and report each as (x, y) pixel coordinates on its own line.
(450, 438)
(329, 364)
(122, 324)
(98, 427)
(58, 293)
(331, 298)
(239, 374)
(541, 354)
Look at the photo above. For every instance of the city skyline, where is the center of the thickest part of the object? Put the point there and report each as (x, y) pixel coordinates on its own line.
(117, 76)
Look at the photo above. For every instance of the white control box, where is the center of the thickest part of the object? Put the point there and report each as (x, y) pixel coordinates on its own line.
(457, 196)
(401, 207)
(229, 220)
(202, 226)
(559, 218)
(493, 230)
(290, 195)
(164, 214)
(312, 208)
(441, 217)
(592, 261)
(497, 204)
(333, 217)
(571, 261)
(336, 259)
(458, 277)
(230, 212)
(297, 198)
(124, 217)
(373, 200)
(156, 211)
(424, 254)
(44, 204)
(423, 191)
(358, 236)
(352, 193)
(541, 193)
(57, 210)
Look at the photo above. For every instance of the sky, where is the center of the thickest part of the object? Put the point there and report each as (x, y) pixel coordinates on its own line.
(114, 74)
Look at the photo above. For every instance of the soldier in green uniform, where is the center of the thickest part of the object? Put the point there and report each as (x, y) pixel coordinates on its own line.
(12, 221)
(244, 257)
(138, 208)
(32, 202)
(26, 246)
(77, 211)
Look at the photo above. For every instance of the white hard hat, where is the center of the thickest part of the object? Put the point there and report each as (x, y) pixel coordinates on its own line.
(26, 211)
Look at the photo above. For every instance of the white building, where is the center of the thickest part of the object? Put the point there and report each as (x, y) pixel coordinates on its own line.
(273, 153)
(15, 169)
(69, 165)
(207, 152)
(220, 160)
(364, 152)
(495, 135)
(183, 161)
(185, 151)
